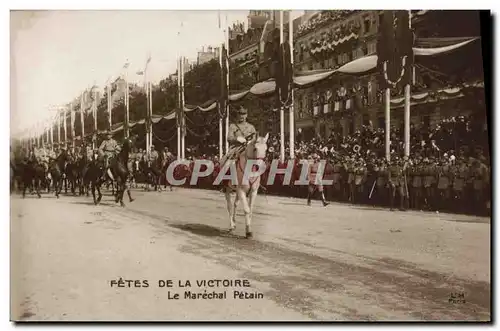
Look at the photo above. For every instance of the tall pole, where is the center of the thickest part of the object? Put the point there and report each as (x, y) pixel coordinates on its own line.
(282, 110)
(126, 126)
(110, 108)
(73, 126)
(291, 116)
(150, 115)
(407, 105)
(387, 104)
(82, 121)
(58, 118)
(183, 116)
(64, 127)
(51, 136)
(221, 104)
(226, 55)
(94, 112)
(146, 85)
(179, 104)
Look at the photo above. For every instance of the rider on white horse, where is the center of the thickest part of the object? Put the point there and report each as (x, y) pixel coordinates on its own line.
(237, 135)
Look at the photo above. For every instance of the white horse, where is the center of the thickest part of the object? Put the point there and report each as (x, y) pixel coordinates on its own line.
(247, 191)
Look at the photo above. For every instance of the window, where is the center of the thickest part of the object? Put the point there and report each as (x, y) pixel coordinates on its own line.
(311, 66)
(326, 65)
(372, 47)
(354, 54)
(367, 25)
(339, 59)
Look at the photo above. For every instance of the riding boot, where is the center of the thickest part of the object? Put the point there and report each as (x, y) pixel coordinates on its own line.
(309, 198)
(323, 200)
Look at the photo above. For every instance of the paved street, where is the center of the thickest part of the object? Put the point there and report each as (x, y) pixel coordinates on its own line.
(341, 262)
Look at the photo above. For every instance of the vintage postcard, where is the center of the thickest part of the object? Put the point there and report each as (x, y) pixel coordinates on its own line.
(258, 165)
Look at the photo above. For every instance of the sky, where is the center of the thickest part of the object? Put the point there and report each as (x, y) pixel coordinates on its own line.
(55, 55)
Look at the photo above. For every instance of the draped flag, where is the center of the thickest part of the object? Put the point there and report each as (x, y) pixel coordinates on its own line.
(394, 48)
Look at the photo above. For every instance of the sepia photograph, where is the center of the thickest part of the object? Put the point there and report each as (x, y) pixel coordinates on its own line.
(250, 165)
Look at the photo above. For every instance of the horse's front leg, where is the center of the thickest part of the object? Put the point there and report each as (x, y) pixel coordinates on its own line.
(251, 201)
(243, 197)
(120, 190)
(231, 212)
(127, 187)
(93, 188)
(158, 182)
(38, 183)
(25, 186)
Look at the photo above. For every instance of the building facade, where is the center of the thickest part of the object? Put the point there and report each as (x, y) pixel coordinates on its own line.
(330, 39)
(207, 56)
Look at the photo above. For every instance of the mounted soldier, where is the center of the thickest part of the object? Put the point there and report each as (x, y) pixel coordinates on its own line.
(108, 149)
(237, 135)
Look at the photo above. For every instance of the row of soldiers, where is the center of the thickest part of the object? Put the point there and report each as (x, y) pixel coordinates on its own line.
(455, 184)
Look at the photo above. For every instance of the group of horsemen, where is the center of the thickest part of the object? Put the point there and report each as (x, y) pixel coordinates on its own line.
(108, 149)
(419, 182)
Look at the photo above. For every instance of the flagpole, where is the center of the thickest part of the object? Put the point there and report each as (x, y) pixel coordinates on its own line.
(51, 137)
(226, 40)
(46, 134)
(292, 104)
(82, 121)
(64, 127)
(282, 109)
(150, 115)
(387, 122)
(73, 129)
(58, 119)
(126, 126)
(94, 113)
(146, 86)
(221, 104)
(183, 135)
(407, 104)
(108, 87)
(178, 115)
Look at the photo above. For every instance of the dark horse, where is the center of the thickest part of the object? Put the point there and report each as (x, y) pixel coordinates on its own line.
(119, 170)
(33, 173)
(72, 174)
(93, 175)
(56, 169)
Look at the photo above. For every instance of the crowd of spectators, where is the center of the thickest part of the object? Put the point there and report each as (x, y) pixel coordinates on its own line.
(452, 157)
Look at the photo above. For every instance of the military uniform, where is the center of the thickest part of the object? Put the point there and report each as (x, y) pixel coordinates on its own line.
(443, 185)
(428, 172)
(315, 182)
(108, 149)
(242, 129)
(396, 183)
(360, 174)
(381, 175)
(416, 184)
